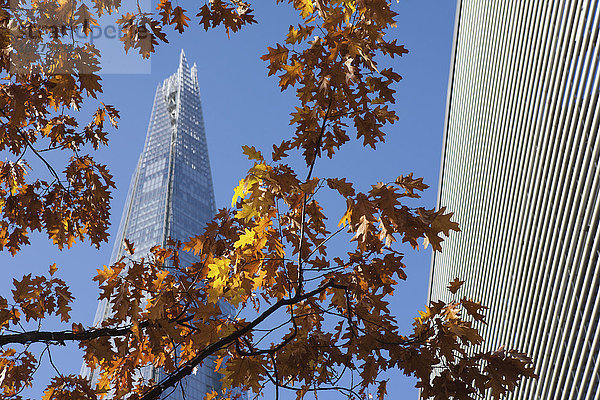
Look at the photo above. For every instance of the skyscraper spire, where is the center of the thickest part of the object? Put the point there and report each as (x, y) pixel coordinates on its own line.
(182, 60)
(170, 196)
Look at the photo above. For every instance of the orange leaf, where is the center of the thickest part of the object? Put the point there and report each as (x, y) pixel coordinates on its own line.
(179, 19)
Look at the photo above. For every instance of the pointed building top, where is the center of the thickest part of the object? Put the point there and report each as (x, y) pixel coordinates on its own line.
(182, 59)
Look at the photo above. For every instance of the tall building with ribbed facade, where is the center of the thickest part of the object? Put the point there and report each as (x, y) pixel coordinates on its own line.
(170, 195)
(520, 170)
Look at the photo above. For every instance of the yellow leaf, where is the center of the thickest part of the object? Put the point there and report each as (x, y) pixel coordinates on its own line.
(239, 192)
(295, 36)
(426, 313)
(219, 361)
(348, 214)
(247, 212)
(219, 268)
(246, 184)
(236, 296)
(247, 238)
(305, 7)
(218, 272)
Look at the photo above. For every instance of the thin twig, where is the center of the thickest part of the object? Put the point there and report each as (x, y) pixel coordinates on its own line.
(52, 362)
(184, 370)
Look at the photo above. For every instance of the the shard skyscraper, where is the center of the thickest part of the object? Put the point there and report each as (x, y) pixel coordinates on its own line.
(171, 193)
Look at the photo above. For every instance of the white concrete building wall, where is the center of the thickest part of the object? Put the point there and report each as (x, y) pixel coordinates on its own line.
(520, 171)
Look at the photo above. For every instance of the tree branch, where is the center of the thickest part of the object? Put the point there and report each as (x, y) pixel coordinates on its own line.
(65, 336)
(186, 369)
(303, 216)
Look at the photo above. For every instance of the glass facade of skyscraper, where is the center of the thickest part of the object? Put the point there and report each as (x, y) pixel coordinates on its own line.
(171, 194)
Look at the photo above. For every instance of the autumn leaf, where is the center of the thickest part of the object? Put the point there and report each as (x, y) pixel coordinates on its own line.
(90, 83)
(279, 152)
(297, 35)
(128, 246)
(277, 58)
(107, 273)
(85, 19)
(410, 184)
(305, 6)
(252, 153)
(382, 389)
(69, 387)
(164, 8)
(443, 223)
(473, 309)
(292, 75)
(239, 192)
(344, 188)
(246, 239)
(212, 395)
(179, 19)
(455, 285)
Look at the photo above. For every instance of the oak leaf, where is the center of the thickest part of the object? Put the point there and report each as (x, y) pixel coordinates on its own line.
(344, 188)
(455, 285)
(179, 19)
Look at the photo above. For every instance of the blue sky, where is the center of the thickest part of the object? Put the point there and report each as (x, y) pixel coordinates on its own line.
(243, 106)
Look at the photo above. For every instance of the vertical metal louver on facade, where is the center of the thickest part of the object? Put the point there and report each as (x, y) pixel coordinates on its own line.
(170, 195)
(520, 171)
